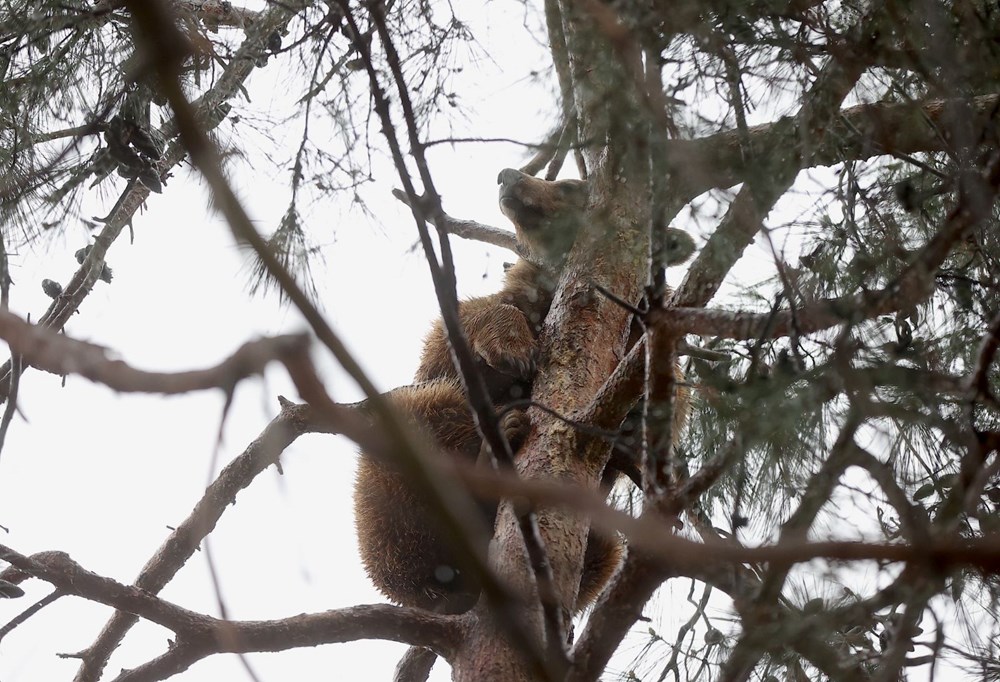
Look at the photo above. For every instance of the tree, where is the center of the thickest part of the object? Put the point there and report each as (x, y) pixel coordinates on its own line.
(845, 412)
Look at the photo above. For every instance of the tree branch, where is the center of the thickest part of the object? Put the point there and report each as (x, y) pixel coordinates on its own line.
(469, 229)
(207, 111)
(773, 174)
(218, 12)
(616, 612)
(682, 556)
(415, 665)
(202, 635)
(853, 134)
(45, 349)
(415, 627)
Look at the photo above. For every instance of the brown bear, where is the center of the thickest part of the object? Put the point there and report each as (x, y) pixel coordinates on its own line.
(402, 550)
(502, 328)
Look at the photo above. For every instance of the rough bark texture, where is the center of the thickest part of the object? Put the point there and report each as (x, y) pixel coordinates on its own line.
(582, 342)
(584, 335)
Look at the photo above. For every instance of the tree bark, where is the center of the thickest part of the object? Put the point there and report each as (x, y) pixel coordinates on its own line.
(583, 340)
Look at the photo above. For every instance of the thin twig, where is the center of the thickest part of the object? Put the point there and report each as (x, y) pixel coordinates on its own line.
(29, 612)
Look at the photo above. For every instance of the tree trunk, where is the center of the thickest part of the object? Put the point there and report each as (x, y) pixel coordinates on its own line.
(582, 342)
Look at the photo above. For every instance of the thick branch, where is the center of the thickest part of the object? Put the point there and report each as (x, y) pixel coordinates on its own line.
(856, 133)
(204, 635)
(659, 405)
(415, 627)
(682, 556)
(66, 575)
(415, 665)
(617, 611)
(50, 351)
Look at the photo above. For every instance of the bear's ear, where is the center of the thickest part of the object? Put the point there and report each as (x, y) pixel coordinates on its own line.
(573, 189)
(678, 247)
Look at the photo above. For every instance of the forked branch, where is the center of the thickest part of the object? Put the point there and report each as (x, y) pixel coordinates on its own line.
(199, 635)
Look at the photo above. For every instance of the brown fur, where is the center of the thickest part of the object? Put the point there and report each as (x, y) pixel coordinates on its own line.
(401, 547)
(502, 328)
(403, 552)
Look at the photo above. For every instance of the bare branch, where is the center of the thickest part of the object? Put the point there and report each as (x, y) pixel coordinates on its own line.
(469, 229)
(203, 635)
(66, 575)
(415, 665)
(415, 627)
(547, 151)
(617, 610)
(681, 556)
(29, 612)
(45, 349)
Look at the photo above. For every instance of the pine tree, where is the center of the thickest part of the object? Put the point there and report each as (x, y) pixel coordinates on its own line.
(830, 507)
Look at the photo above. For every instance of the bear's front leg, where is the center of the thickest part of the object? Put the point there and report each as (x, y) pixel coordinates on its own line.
(502, 341)
(500, 335)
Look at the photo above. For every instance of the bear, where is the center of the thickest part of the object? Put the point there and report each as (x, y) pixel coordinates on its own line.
(401, 548)
(502, 328)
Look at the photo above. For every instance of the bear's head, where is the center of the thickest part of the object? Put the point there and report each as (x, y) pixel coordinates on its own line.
(547, 214)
